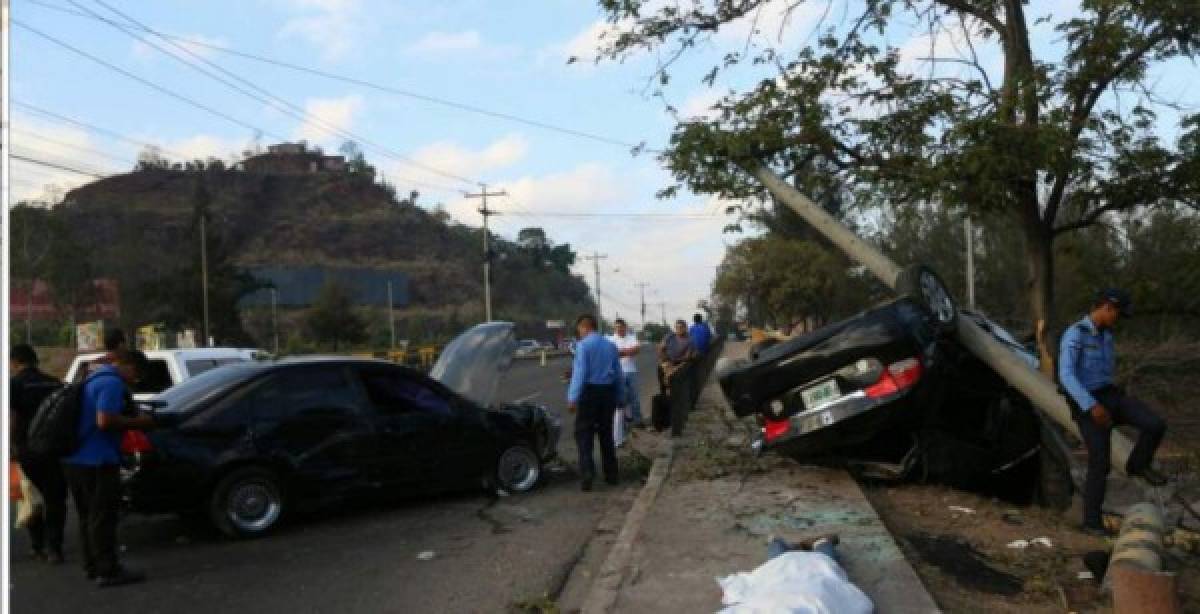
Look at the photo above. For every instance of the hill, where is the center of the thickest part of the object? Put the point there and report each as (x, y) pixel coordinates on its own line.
(142, 228)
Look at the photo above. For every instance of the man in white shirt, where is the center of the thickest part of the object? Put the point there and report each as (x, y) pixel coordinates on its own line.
(628, 347)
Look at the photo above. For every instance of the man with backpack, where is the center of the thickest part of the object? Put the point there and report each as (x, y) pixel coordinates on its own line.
(93, 469)
(27, 388)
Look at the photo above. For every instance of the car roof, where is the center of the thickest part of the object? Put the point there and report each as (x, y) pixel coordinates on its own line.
(185, 353)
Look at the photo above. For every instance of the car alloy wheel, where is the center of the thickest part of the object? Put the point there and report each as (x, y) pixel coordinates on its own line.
(247, 502)
(923, 285)
(518, 469)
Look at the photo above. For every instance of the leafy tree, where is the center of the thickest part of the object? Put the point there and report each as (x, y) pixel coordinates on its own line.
(1054, 143)
(332, 318)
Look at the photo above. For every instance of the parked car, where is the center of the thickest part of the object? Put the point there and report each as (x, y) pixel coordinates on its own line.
(890, 393)
(529, 347)
(169, 367)
(245, 443)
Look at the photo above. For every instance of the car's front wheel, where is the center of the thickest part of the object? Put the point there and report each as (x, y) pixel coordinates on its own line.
(518, 469)
(247, 502)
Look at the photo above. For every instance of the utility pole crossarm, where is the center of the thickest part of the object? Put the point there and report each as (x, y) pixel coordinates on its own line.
(483, 195)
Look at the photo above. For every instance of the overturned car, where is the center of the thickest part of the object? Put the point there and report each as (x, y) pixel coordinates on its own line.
(891, 394)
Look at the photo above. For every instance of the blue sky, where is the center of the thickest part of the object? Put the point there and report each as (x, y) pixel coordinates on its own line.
(509, 57)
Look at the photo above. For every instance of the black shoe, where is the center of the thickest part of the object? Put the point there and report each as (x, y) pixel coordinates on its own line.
(90, 573)
(37, 554)
(120, 578)
(586, 486)
(55, 557)
(1095, 531)
(1152, 476)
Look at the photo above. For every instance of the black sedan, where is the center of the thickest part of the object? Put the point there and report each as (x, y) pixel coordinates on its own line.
(890, 393)
(243, 444)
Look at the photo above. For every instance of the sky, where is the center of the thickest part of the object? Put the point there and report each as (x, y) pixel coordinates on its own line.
(508, 57)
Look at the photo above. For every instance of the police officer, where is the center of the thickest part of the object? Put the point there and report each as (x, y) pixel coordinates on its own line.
(593, 395)
(27, 388)
(1086, 365)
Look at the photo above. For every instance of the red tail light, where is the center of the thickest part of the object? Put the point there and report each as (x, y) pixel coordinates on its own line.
(898, 376)
(135, 442)
(774, 429)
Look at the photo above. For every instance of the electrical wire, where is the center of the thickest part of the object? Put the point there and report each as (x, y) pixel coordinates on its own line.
(62, 167)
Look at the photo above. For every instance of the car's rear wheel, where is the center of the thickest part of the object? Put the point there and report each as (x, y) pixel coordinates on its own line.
(518, 469)
(924, 285)
(247, 503)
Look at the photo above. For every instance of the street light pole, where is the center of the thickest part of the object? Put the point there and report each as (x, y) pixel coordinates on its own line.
(391, 316)
(970, 237)
(275, 318)
(204, 272)
(596, 257)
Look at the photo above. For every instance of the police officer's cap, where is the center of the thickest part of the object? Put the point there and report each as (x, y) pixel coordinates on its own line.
(1117, 298)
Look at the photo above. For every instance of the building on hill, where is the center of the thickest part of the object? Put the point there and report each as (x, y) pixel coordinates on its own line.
(293, 159)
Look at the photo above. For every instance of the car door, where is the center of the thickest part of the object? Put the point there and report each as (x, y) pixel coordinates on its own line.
(313, 418)
(420, 437)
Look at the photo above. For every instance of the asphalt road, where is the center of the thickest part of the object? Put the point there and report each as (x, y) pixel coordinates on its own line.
(487, 553)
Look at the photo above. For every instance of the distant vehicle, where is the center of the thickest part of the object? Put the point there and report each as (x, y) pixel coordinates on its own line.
(529, 347)
(169, 367)
(245, 444)
(891, 392)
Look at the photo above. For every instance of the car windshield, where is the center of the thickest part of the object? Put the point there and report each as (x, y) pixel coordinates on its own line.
(207, 384)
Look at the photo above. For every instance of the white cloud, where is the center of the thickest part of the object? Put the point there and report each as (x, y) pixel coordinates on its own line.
(331, 26)
(204, 146)
(441, 42)
(774, 22)
(196, 44)
(699, 105)
(333, 113)
(55, 144)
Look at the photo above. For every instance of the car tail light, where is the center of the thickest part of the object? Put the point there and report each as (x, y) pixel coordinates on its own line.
(774, 429)
(135, 442)
(898, 376)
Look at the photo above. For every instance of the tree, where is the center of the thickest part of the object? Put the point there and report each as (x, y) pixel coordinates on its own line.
(332, 319)
(532, 239)
(1055, 143)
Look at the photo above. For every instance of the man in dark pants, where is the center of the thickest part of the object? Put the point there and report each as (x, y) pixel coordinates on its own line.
(593, 395)
(93, 471)
(27, 389)
(1086, 364)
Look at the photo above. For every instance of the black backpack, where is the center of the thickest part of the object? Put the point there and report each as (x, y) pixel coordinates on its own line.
(54, 430)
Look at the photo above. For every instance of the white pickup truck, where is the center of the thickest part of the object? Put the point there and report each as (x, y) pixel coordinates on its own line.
(169, 367)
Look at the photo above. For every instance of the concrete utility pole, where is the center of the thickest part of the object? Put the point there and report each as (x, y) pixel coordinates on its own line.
(391, 316)
(970, 236)
(487, 250)
(596, 257)
(1036, 387)
(204, 272)
(663, 307)
(642, 286)
(275, 317)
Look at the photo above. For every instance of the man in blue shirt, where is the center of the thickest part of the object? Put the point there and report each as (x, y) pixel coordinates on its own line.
(1086, 365)
(593, 395)
(93, 470)
(700, 334)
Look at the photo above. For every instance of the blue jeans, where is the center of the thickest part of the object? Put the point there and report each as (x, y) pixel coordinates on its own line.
(632, 399)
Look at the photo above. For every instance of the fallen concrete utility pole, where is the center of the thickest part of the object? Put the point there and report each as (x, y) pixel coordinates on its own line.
(1033, 384)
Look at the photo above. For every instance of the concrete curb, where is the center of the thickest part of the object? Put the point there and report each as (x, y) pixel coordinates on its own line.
(603, 594)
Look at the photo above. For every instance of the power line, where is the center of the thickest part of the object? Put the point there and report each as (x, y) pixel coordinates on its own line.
(632, 214)
(62, 167)
(148, 83)
(380, 87)
(74, 146)
(258, 93)
(86, 126)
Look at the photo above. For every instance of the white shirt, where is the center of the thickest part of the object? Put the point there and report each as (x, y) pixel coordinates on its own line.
(628, 342)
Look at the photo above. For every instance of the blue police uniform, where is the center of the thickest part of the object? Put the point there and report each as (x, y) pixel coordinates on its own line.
(596, 392)
(1086, 368)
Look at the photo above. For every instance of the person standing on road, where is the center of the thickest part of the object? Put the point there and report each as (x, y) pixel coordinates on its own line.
(93, 471)
(628, 347)
(27, 388)
(595, 391)
(1086, 365)
(700, 334)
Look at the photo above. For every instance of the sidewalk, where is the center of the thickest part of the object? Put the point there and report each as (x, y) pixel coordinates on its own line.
(718, 505)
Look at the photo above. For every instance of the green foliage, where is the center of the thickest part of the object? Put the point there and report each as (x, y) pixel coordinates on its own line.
(332, 319)
(1053, 144)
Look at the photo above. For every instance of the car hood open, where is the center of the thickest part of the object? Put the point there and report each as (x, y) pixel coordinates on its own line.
(473, 363)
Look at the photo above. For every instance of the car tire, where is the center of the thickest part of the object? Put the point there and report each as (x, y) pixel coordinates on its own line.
(922, 284)
(248, 502)
(518, 468)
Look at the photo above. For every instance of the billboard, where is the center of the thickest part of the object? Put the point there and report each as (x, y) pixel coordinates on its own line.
(39, 305)
(299, 286)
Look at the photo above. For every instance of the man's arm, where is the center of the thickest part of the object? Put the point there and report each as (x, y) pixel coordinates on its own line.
(616, 367)
(575, 388)
(1068, 366)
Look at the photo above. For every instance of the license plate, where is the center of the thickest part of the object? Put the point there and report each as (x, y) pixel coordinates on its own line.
(821, 394)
